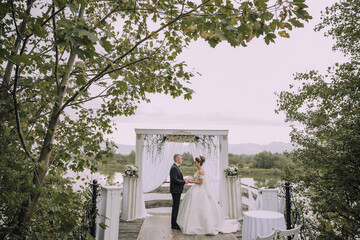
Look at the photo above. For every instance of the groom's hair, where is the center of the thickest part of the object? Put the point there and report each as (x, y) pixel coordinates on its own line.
(176, 156)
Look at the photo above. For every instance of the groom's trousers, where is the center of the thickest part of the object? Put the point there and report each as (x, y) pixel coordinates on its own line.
(175, 208)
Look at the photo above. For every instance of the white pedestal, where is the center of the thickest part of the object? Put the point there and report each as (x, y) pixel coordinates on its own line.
(109, 211)
(129, 198)
(234, 203)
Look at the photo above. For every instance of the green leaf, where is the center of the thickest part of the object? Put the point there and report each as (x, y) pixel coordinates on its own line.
(65, 23)
(80, 64)
(220, 35)
(115, 74)
(269, 38)
(296, 23)
(122, 85)
(213, 42)
(154, 35)
(72, 7)
(26, 59)
(301, 5)
(80, 80)
(106, 44)
(274, 24)
(260, 2)
(284, 34)
(267, 16)
(90, 35)
(39, 31)
(3, 53)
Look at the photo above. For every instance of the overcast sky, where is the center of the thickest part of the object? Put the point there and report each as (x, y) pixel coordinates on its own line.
(237, 86)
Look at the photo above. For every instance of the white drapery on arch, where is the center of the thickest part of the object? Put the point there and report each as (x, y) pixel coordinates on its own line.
(157, 170)
(153, 171)
(156, 167)
(211, 165)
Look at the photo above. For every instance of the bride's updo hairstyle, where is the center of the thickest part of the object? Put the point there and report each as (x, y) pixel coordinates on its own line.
(200, 160)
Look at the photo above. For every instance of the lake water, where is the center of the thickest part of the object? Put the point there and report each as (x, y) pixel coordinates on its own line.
(86, 177)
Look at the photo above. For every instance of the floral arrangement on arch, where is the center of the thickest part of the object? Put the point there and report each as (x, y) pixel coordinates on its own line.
(232, 171)
(131, 171)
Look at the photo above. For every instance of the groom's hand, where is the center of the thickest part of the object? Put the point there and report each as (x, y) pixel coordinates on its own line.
(186, 180)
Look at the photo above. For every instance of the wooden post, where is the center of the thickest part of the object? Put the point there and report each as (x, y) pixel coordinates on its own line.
(139, 207)
(224, 163)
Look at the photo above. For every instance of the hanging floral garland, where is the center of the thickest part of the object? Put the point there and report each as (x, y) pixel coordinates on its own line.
(207, 143)
(154, 144)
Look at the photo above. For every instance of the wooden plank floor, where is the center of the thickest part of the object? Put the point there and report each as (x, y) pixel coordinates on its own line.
(157, 227)
(129, 230)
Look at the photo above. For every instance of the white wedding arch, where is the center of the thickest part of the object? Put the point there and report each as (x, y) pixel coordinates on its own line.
(154, 156)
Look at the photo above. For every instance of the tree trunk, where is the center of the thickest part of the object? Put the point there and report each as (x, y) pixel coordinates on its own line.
(28, 208)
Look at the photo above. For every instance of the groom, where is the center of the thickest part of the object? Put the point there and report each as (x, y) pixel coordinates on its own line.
(176, 187)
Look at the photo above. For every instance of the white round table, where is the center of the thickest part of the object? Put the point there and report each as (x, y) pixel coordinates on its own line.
(261, 223)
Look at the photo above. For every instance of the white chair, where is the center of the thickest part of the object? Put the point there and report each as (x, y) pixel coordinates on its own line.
(252, 203)
(272, 236)
(281, 204)
(291, 232)
(269, 199)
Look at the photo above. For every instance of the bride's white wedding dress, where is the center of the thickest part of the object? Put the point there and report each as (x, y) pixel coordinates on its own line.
(200, 213)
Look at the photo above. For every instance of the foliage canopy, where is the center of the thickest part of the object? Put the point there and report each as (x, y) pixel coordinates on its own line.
(69, 66)
(325, 116)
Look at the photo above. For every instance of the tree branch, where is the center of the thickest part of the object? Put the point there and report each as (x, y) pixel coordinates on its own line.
(14, 19)
(125, 66)
(18, 125)
(105, 70)
(48, 19)
(56, 50)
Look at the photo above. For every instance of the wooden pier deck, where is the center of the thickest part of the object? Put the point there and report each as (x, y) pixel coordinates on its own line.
(129, 230)
(157, 227)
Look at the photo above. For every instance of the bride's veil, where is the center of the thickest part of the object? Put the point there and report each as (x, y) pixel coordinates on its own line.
(211, 168)
(206, 184)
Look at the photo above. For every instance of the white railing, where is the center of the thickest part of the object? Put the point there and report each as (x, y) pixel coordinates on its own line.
(167, 196)
(246, 199)
(109, 208)
(268, 202)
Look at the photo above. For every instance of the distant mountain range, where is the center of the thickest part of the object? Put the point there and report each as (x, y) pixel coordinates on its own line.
(244, 148)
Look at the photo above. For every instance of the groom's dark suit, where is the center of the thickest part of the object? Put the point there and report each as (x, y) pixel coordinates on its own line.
(176, 187)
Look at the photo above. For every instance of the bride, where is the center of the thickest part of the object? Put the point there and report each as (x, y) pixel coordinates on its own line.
(199, 212)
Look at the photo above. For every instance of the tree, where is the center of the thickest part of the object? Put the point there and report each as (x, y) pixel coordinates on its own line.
(265, 160)
(69, 66)
(188, 159)
(237, 160)
(325, 116)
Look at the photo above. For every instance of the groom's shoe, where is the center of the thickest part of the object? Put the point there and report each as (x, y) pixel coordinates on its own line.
(175, 227)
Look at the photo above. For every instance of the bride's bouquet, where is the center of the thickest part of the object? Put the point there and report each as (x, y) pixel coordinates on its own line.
(131, 171)
(232, 171)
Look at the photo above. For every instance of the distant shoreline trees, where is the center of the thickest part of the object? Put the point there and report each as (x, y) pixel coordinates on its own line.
(263, 160)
